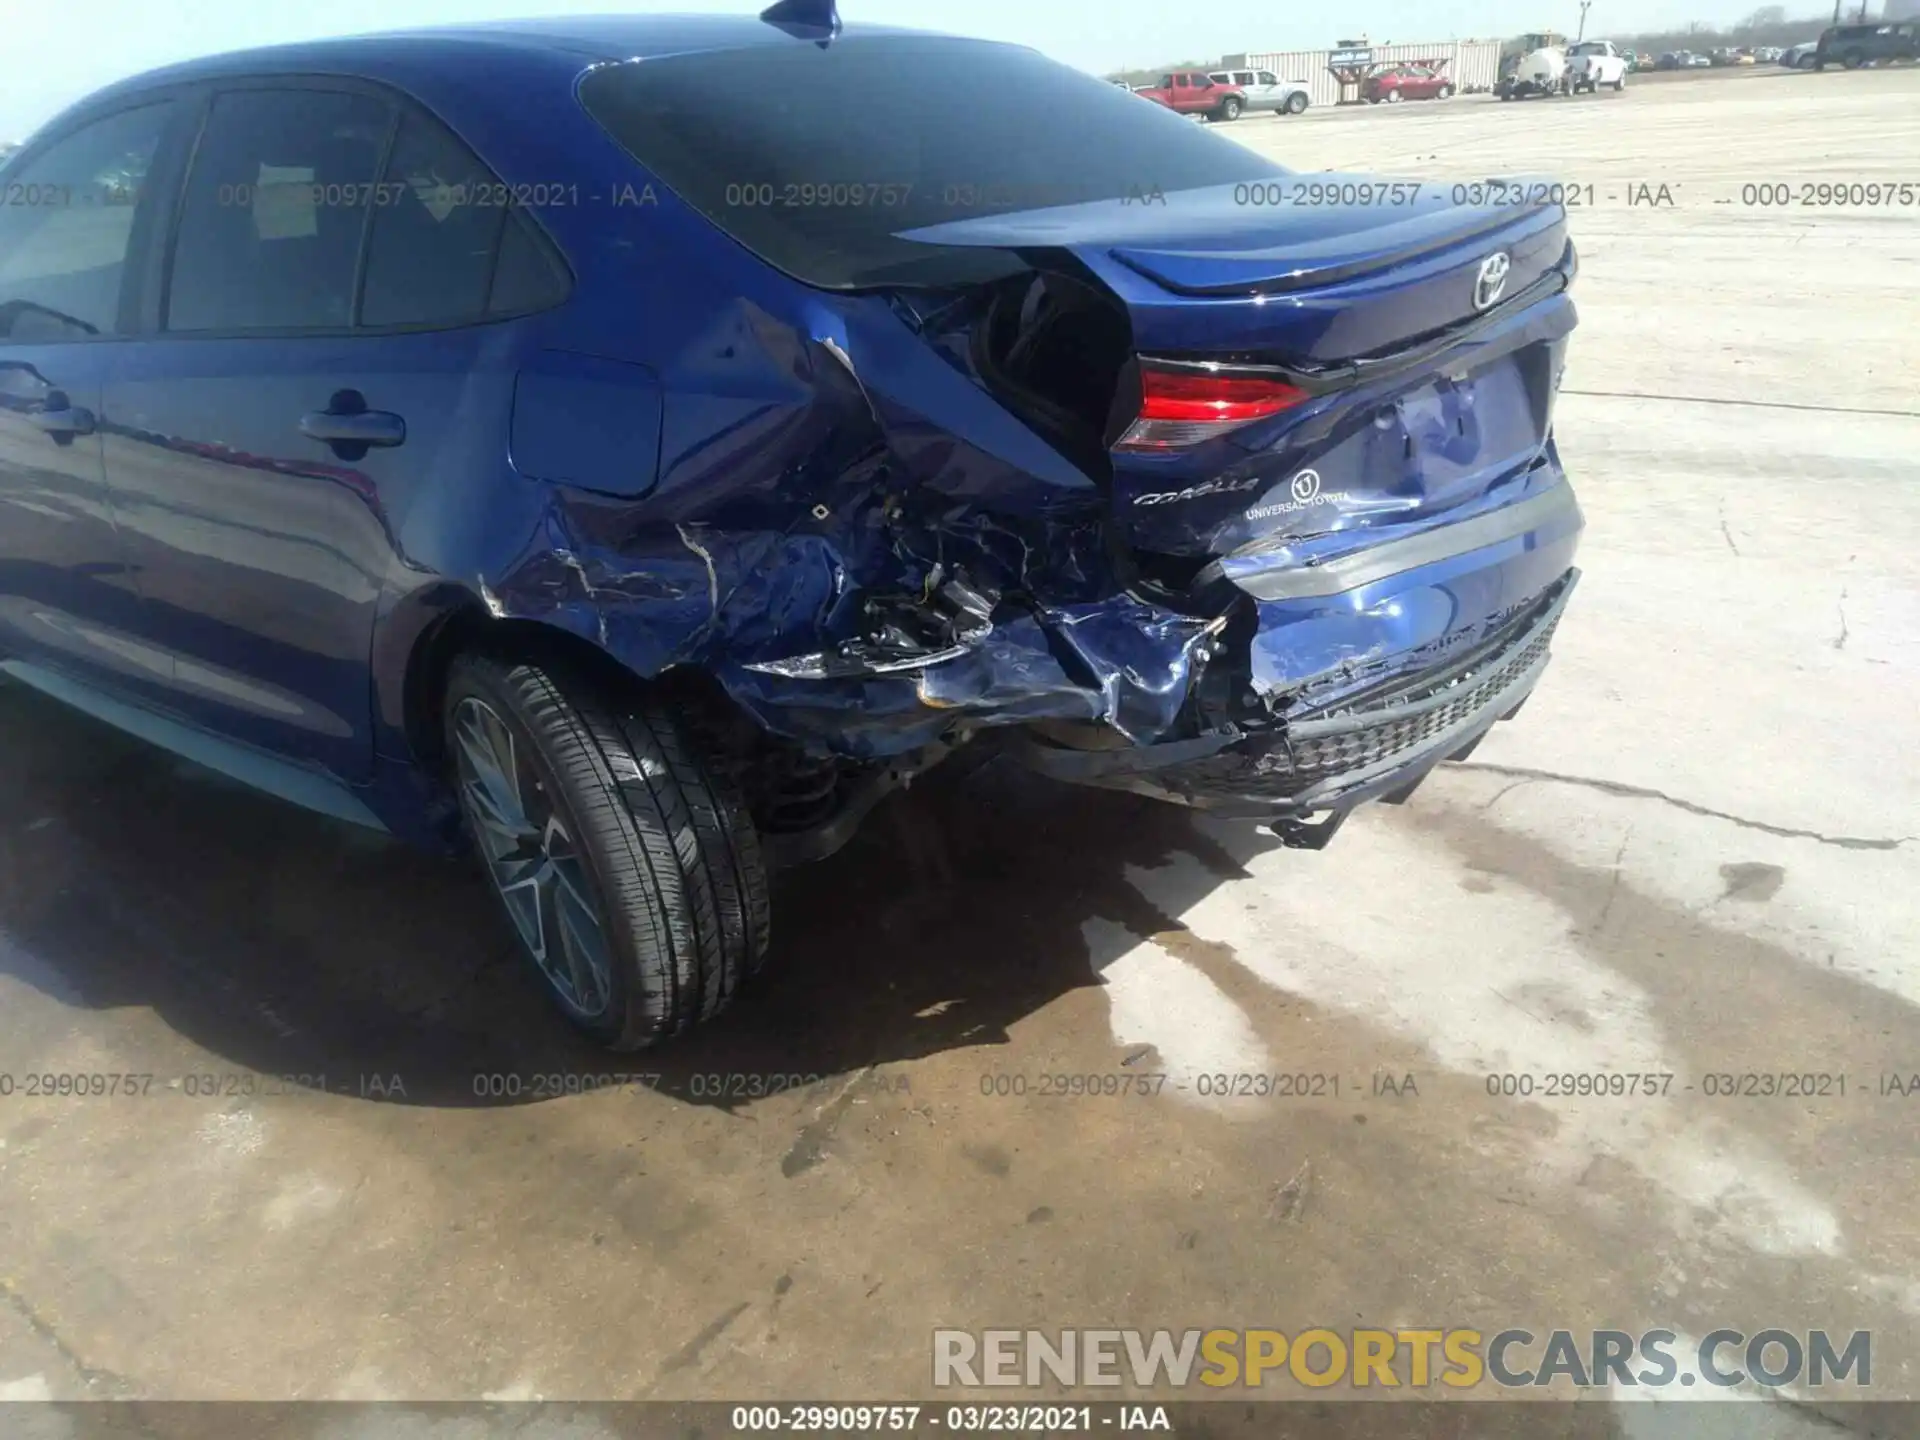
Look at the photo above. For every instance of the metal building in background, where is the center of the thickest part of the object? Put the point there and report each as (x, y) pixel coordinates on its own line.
(1469, 63)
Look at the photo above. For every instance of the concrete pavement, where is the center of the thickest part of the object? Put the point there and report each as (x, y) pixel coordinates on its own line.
(1693, 855)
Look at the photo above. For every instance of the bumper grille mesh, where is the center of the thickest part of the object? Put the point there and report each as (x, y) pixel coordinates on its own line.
(1397, 724)
(1358, 749)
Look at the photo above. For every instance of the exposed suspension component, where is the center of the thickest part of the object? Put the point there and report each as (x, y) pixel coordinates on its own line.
(796, 791)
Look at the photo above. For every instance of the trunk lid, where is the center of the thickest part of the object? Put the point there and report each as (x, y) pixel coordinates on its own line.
(1271, 266)
(1430, 364)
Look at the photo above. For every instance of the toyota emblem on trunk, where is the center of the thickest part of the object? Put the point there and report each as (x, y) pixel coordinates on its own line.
(1492, 279)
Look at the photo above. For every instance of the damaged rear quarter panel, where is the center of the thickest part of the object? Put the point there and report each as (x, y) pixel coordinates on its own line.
(814, 453)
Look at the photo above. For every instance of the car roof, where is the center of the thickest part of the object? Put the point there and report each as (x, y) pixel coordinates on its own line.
(580, 41)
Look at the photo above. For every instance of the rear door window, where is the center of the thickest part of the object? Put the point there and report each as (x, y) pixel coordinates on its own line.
(66, 217)
(275, 208)
(525, 276)
(287, 193)
(437, 222)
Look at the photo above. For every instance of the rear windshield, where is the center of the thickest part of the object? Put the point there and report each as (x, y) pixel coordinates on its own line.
(818, 160)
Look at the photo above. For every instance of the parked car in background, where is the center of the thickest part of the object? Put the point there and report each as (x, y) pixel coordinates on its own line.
(1404, 80)
(1801, 57)
(353, 454)
(1851, 46)
(1193, 93)
(1593, 63)
(1266, 91)
(1669, 60)
(1692, 60)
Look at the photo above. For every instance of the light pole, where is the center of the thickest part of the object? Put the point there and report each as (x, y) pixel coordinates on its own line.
(1585, 5)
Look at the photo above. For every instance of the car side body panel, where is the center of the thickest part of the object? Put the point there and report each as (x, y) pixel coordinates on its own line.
(693, 461)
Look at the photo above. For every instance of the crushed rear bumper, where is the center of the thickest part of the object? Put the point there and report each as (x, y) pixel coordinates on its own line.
(1379, 746)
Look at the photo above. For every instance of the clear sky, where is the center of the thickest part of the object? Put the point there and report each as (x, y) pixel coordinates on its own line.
(52, 52)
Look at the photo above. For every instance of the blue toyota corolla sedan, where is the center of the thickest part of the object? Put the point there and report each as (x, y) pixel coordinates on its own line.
(631, 446)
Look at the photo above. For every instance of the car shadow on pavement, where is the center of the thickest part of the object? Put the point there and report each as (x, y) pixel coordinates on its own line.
(284, 944)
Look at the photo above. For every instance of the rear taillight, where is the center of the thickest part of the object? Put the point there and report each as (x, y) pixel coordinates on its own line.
(1188, 405)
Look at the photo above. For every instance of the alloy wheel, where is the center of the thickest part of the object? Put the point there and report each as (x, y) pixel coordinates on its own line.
(533, 858)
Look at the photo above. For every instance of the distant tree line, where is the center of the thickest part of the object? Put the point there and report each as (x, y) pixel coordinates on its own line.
(1151, 77)
(1767, 25)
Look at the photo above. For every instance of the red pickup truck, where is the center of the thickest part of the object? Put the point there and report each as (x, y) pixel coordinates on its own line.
(1192, 93)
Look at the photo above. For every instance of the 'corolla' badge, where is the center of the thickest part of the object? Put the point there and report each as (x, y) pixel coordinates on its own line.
(1492, 279)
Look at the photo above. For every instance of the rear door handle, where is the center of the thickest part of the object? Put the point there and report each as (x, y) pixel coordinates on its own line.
(365, 427)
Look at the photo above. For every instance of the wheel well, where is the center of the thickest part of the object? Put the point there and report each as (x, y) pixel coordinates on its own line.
(809, 801)
(470, 628)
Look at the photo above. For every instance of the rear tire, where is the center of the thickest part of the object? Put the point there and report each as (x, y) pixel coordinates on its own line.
(1852, 60)
(1296, 104)
(1230, 109)
(629, 871)
(1393, 97)
(1446, 93)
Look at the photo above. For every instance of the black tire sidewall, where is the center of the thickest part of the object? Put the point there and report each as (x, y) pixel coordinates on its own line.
(486, 680)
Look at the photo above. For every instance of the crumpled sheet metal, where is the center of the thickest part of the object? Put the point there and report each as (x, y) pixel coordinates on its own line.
(725, 600)
(886, 502)
(1117, 662)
